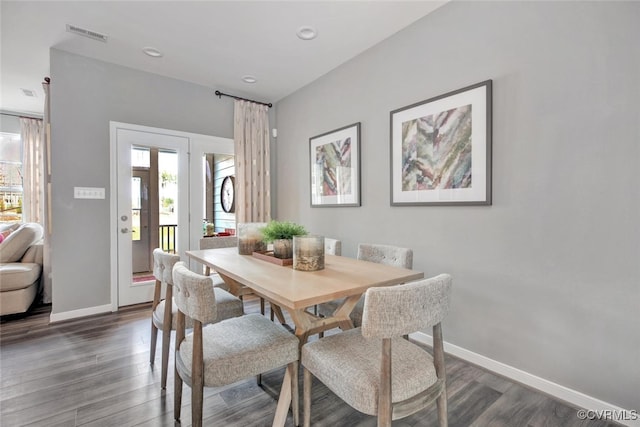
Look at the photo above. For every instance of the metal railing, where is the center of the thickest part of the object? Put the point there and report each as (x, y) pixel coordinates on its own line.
(168, 237)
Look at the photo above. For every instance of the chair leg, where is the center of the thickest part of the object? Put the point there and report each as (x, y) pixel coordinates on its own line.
(295, 404)
(306, 396)
(177, 387)
(166, 335)
(154, 340)
(384, 397)
(441, 402)
(154, 329)
(166, 341)
(197, 376)
(177, 392)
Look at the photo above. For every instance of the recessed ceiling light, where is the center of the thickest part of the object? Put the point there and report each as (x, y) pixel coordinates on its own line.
(152, 51)
(249, 79)
(306, 33)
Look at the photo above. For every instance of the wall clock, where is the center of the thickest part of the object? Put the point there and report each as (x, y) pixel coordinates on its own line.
(227, 194)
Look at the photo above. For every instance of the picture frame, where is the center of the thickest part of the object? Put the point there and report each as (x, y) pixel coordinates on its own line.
(334, 159)
(441, 149)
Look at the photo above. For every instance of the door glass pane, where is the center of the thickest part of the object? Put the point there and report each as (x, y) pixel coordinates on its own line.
(169, 199)
(140, 157)
(136, 206)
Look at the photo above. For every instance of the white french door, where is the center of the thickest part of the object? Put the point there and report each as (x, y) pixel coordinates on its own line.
(128, 291)
(190, 149)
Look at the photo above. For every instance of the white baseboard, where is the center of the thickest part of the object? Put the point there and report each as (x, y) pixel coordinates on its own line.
(561, 392)
(73, 314)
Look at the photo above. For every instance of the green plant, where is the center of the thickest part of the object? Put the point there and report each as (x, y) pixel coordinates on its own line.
(282, 230)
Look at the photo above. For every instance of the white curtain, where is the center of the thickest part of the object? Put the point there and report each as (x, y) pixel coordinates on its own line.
(33, 170)
(252, 162)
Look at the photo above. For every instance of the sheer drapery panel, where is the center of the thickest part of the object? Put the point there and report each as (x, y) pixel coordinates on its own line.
(32, 169)
(252, 161)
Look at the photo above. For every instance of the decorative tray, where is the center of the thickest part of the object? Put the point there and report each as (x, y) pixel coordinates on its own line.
(268, 256)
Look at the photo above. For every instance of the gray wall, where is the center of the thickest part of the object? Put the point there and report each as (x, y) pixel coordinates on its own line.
(9, 124)
(547, 279)
(85, 95)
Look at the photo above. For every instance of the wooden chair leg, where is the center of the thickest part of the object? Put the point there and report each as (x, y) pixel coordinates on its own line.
(197, 377)
(166, 342)
(177, 392)
(441, 372)
(306, 396)
(154, 340)
(166, 335)
(154, 330)
(295, 404)
(441, 403)
(384, 398)
(177, 387)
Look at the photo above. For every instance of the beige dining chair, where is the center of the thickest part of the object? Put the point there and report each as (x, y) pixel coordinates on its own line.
(381, 254)
(376, 371)
(164, 311)
(217, 243)
(332, 246)
(226, 242)
(228, 351)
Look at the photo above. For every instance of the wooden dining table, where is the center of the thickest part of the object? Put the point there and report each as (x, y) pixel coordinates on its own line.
(296, 291)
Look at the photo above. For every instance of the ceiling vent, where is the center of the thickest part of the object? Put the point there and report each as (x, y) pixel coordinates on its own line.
(28, 92)
(86, 33)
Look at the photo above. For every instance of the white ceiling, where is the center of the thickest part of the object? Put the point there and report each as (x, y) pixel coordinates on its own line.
(211, 43)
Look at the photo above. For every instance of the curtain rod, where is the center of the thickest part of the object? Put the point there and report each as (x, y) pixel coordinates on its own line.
(220, 95)
(22, 116)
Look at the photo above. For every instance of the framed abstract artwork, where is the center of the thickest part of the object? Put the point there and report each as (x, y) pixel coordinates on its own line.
(441, 149)
(335, 167)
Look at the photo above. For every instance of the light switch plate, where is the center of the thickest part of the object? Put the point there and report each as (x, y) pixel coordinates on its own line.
(88, 193)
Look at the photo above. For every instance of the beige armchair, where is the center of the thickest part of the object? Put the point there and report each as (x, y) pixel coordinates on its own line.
(373, 368)
(381, 254)
(163, 315)
(226, 351)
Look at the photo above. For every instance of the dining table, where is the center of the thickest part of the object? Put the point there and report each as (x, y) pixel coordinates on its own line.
(342, 278)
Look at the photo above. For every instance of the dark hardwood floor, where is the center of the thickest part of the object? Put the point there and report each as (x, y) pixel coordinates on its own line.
(95, 371)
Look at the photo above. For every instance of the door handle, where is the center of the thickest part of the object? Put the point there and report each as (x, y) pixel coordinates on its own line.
(124, 230)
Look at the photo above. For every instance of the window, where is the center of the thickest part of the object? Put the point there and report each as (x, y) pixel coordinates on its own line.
(10, 177)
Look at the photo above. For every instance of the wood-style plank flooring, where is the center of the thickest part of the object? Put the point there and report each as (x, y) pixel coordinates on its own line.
(95, 371)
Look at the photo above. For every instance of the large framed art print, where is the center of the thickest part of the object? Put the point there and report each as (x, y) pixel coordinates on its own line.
(441, 149)
(335, 167)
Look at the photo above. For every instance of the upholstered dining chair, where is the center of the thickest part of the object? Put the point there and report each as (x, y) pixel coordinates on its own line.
(227, 351)
(225, 242)
(332, 246)
(216, 243)
(381, 254)
(376, 371)
(164, 311)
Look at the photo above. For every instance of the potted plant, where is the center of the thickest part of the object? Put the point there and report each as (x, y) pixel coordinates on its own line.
(281, 234)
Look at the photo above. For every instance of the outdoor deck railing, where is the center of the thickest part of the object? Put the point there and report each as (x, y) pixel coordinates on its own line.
(168, 237)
